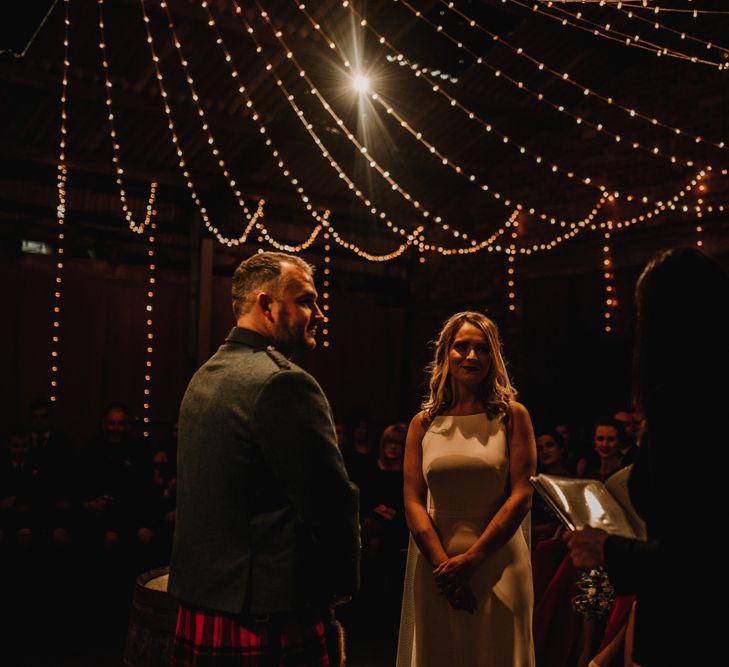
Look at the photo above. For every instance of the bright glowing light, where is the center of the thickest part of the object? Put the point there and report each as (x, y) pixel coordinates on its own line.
(361, 83)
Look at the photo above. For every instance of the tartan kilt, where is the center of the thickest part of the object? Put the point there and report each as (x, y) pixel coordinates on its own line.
(206, 638)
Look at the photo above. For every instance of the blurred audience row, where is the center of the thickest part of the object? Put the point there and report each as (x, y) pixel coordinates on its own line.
(112, 499)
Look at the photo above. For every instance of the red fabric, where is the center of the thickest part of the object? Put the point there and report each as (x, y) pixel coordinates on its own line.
(546, 559)
(205, 638)
(556, 625)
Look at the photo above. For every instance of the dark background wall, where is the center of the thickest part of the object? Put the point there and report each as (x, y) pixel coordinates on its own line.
(564, 365)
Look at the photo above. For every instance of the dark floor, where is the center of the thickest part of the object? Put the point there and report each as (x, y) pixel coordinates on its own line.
(73, 611)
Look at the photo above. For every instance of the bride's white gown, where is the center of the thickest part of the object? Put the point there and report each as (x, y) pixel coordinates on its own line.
(466, 468)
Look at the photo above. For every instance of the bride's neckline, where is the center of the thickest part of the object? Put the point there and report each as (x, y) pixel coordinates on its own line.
(473, 414)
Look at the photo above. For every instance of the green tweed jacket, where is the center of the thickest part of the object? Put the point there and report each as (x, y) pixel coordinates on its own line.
(266, 515)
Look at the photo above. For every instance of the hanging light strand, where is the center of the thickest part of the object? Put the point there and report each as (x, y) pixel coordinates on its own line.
(657, 25)
(373, 164)
(606, 32)
(560, 108)
(699, 209)
(695, 13)
(205, 127)
(608, 281)
(435, 152)
(126, 209)
(292, 248)
(327, 288)
(499, 73)
(511, 267)
(180, 153)
(61, 184)
(658, 209)
(659, 206)
(552, 220)
(149, 307)
(567, 78)
(475, 245)
(280, 163)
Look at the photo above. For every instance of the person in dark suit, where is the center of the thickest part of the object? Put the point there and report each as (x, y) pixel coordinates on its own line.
(266, 533)
(681, 366)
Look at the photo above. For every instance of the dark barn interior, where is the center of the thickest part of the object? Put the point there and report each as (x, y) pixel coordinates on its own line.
(526, 159)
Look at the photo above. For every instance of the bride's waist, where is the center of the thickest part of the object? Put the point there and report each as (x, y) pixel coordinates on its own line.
(466, 514)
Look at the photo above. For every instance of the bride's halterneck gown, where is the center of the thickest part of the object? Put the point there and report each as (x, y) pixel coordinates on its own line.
(466, 468)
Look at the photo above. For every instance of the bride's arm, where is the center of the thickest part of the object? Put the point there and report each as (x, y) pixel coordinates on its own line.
(506, 521)
(415, 495)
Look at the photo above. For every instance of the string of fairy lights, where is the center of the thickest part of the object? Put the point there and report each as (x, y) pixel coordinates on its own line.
(657, 25)
(326, 283)
(149, 309)
(608, 281)
(205, 127)
(567, 78)
(280, 163)
(137, 228)
(657, 210)
(606, 31)
(225, 240)
(61, 184)
(486, 125)
(323, 228)
(455, 103)
(422, 245)
(657, 9)
(699, 215)
(579, 119)
(433, 150)
(363, 149)
(511, 268)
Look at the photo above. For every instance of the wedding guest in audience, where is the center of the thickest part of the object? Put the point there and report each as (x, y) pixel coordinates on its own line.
(609, 440)
(359, 455)
(628, 450)
(20, 492)
(552, 459)
(383, 511)
(384, 532)
(114, 483)
(54, 456)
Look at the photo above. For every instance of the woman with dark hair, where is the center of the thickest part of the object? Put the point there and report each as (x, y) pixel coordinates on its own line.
(552, 459)
(468, 457)
(382, 505)
(680, 386)
(608, 440)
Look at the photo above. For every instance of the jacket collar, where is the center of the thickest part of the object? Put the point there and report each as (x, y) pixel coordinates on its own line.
(248, 337)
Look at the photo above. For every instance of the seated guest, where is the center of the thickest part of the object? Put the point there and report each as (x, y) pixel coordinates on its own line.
(383, 512)
(54, 456)
(609, 440)
(630, 426)
(552, 459)
(384, 534)
(20, 492)
(114, 482)
(359, 455)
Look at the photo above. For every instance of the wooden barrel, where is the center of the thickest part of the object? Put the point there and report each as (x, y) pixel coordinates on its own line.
(151, 621)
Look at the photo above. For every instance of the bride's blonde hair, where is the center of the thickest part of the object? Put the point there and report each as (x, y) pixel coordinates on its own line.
(497, 388)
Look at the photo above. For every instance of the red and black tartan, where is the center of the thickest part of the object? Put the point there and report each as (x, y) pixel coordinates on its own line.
(205, 638)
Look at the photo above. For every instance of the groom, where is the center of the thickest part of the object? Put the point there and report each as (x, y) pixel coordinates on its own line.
(267, 531)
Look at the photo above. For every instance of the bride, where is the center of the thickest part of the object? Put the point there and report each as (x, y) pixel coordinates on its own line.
(468, 458)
